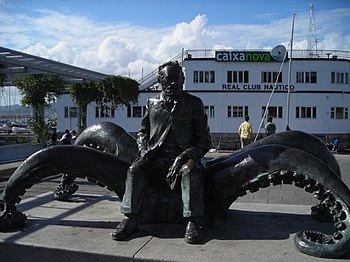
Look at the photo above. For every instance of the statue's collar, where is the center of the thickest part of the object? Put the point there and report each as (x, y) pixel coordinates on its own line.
(170, 105)
(163, 97)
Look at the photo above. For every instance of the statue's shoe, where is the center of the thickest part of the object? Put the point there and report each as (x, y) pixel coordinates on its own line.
(126, 228)
(193, 233)
(63, 191)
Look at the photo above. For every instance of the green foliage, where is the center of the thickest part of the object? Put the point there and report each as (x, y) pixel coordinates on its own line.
(20, 140)
(39, 91)
(116, 90)
(2, 77)
(120, 90)
(2, 80)
(85, 93)
(42, 131)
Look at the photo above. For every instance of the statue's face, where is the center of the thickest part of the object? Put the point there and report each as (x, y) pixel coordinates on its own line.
(172, 81)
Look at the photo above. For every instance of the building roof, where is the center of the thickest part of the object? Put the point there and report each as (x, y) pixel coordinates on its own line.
(19, 63)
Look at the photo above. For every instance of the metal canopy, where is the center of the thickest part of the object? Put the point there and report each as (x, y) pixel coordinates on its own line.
(18, 63)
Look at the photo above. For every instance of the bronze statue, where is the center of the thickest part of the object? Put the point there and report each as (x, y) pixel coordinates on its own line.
(290, 157)
(173, 138)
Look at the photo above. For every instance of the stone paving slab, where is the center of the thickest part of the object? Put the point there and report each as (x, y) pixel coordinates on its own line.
(7, 169)
(79, 230)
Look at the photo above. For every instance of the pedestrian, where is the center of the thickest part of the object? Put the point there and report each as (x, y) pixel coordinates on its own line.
(172, 139)
(270, 128)
(66, 138)
(336, 142)
(53, 141)
(245, 132)
(73, 134)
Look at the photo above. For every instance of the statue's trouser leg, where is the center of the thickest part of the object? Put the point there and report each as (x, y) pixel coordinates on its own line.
(141, 173)
(192, 189)
(137, 179)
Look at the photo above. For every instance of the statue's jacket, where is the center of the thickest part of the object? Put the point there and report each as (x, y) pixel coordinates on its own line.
(187, 120)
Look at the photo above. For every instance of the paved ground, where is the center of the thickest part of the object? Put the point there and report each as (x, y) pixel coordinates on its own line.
(260, 227)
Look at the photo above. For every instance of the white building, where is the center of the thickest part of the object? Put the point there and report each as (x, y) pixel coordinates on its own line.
(233, 83)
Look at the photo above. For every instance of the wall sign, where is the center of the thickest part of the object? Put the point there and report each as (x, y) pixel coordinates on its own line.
(256, 87)
(243, 56)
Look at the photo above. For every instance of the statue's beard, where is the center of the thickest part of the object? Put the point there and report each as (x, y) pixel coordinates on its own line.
(172, 93)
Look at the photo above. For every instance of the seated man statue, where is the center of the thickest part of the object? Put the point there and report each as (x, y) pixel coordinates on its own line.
(172, 139)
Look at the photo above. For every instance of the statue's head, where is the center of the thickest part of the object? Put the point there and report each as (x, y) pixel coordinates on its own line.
(171, 77)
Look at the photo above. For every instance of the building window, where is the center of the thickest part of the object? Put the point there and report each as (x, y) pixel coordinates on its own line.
(307, 77)
(212, 76)
(136, 111)
(339, 78)
(274, 111)
(305, 112)
(339, 113)
(210, 111)
(104, 111)
(237, 111)
(271, 77)
(70, 112)
(203, 76)
(195, 77)
(237, 76)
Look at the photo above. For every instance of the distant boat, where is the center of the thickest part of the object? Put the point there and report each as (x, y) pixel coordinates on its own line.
(14, 127)
(22, 130)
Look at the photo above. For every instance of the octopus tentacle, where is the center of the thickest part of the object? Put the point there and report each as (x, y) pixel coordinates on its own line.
(76, 160)
(308, 143)
(300, 140)
(262, 166)
(322, 245)
(109, 138)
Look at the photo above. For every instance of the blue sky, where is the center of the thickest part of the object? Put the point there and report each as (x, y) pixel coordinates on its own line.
(156, 12)
(125, 37)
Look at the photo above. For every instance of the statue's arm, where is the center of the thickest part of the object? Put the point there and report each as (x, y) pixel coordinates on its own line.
(144, 133)
(201, 140)
(201, 133)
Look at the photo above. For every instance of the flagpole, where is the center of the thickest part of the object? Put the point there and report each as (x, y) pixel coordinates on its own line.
(289, 74)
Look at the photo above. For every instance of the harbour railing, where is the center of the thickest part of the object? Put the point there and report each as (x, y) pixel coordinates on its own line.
(297, 53)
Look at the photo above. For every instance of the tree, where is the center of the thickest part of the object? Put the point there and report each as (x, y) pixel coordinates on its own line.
(117, 90)
(120, 90)
(2, 80)
(2, 77)
(39, 91)
(84, 94)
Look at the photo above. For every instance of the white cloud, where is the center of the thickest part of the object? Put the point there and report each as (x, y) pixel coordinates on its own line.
(185, 35)
(334, 41)
(131, 49)
(113, 49)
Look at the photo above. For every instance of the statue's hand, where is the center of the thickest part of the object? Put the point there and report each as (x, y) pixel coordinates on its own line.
(175, 168)
(171, 177)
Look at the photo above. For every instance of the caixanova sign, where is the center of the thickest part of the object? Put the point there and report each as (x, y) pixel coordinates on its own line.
(243, 56)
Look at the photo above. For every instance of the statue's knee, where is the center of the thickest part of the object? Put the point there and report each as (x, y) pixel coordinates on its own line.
(137, 165)
(195, 165)
(187, 167)
(192, 167)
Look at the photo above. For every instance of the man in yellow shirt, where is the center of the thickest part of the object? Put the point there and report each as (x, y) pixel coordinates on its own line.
(245, 132)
